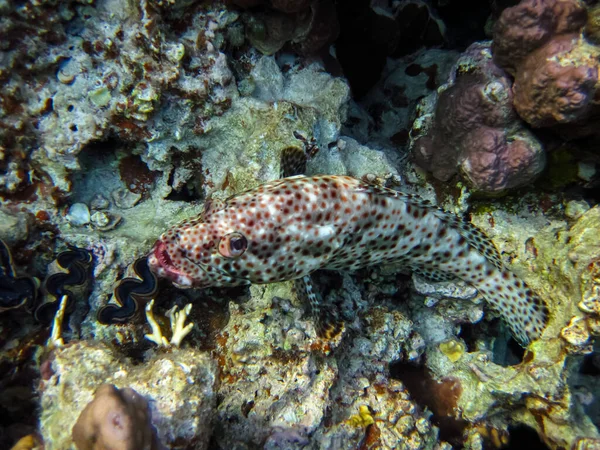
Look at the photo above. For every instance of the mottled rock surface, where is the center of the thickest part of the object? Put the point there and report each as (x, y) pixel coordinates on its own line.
(179, 387)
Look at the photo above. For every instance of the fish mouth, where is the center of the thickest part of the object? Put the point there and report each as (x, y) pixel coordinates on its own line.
(161, 263)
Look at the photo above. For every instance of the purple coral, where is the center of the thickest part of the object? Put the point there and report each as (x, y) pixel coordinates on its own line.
(556, 71)
(500, 162)
(531, 24)
(474, 130)
(550, 89)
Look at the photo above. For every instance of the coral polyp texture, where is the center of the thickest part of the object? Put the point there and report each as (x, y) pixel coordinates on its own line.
(120, 120)
(469, 127)
(554, 64)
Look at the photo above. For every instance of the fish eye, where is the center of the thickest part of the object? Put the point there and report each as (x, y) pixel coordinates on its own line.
(233, 245)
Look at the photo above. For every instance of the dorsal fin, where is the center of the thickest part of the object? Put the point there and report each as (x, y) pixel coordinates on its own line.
(474, 236)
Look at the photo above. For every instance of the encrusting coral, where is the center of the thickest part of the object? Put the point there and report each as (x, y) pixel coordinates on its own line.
(117, 419)
(114, 63)
(470, 127)
(554, 65)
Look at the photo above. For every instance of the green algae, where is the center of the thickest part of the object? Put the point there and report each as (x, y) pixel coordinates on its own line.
(100, 97)
(562, 168)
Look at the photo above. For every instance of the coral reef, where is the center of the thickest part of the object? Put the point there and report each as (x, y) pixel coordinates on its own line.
(179, 389)
(279, 380)
(110, 80)
(554, 65)
(470, 127)
(563, 255)
(120, 119)
(115, 419)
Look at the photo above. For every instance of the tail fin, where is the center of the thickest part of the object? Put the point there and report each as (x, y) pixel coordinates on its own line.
(524, 312)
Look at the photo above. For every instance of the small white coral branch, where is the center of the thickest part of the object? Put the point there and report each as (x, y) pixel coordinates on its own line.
(179, 329)
(55, 339)
(156, 336)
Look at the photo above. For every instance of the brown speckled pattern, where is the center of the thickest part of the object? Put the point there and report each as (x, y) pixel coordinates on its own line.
(297, 225)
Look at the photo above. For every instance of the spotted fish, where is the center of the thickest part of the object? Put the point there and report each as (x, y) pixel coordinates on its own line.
(289, 228)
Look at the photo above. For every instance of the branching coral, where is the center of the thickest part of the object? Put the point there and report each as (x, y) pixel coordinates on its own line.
(179, 329)
(55, 339)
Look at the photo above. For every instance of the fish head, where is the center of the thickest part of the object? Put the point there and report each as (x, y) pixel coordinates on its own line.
(198, 254)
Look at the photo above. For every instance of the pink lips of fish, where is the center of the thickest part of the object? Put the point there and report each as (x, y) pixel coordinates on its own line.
(190, 255)
(161, 263)
(171, 256)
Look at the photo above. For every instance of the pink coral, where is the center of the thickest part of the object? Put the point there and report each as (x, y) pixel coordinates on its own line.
(474, 130)
(556, 71)
(117, 419)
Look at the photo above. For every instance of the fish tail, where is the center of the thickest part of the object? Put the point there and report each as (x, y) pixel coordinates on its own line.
(523, 311)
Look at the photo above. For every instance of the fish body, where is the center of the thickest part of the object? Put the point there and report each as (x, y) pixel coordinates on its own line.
(289, 228)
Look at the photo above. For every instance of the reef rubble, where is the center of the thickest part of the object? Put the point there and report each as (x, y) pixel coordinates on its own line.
(119, 120)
